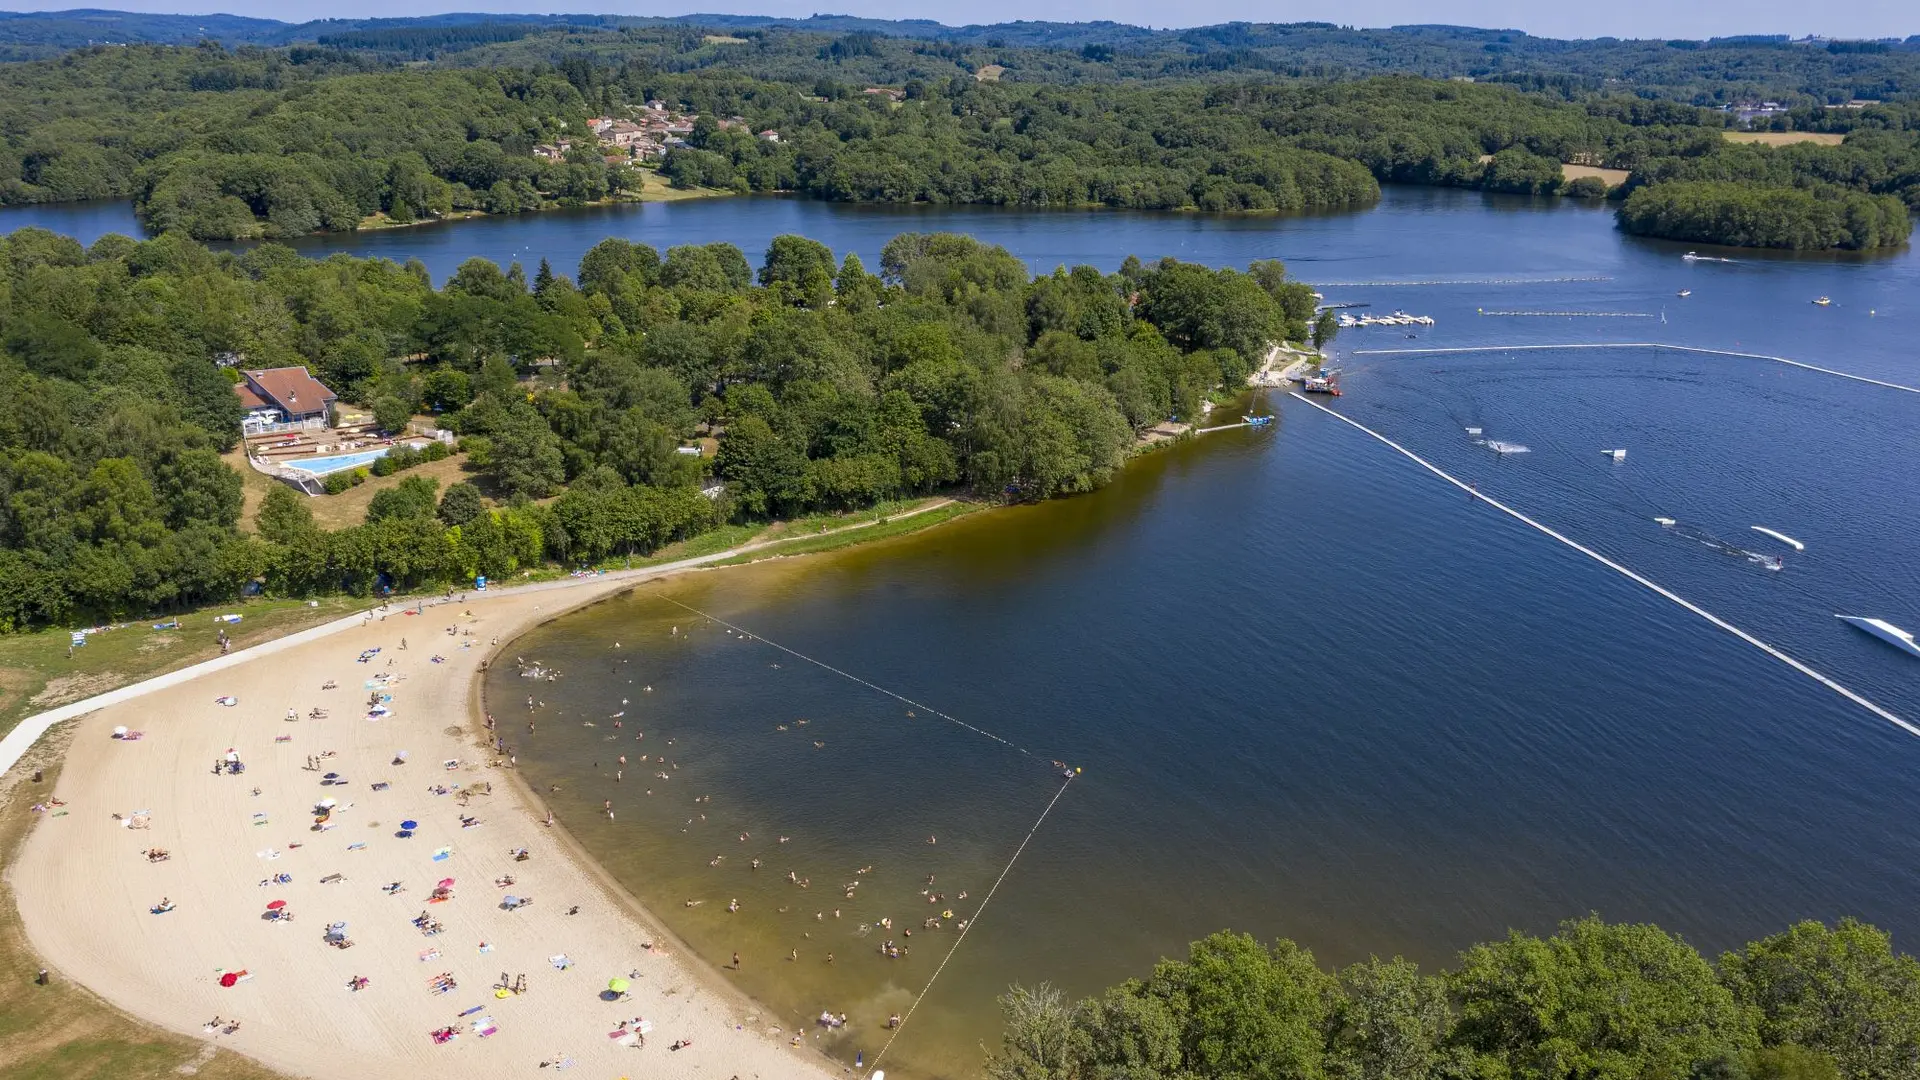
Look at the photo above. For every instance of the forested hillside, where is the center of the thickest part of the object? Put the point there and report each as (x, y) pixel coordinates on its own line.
(827, 387)
(1720, 71)
(281, 143)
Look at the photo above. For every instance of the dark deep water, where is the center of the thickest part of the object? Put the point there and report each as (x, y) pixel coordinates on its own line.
(1316, 693)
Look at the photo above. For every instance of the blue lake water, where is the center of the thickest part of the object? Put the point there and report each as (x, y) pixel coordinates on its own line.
(1316, 693)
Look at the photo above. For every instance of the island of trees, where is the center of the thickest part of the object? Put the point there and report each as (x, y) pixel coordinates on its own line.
(825, 386)
(280, 142)
(1594, 1001)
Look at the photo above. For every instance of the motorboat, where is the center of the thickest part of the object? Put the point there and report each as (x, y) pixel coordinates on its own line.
(1885, 631)
(1822, 301)
(1685, 292)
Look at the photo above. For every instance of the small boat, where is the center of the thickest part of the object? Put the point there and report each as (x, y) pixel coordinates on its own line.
(1322, 384)
(1822, 301)
(1885, 631)
(1617, 455)
(1685, 292)
(1257, 421)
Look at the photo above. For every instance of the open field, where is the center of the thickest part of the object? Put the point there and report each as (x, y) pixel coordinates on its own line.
(1785, 138)
(1612, 177)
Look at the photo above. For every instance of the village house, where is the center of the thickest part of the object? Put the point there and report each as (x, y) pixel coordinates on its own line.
(770, 135)
(624, 133)
(887, 92)
(553, 151)
(286, 395)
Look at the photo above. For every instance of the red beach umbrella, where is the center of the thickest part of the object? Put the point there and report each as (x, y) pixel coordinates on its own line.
(446, 883)
(276, 905)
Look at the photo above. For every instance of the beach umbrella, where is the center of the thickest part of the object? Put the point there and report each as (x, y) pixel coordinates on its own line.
(329, 803)
(276, 905)
(618, 986)
(409, 824)
(331, 776)
(229, 979)
(446, 883)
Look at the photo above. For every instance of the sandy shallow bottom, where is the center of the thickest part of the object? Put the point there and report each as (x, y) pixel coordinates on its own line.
(85, 886)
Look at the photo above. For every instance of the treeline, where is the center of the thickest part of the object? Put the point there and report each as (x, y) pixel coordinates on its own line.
(1596, 1000)
(823, 386)
(1766, 217)
(224, 145)
(256, 144)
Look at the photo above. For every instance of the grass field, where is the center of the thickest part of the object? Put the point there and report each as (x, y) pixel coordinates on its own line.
(36, 674)
(62, 1032)
(1613, 177)
(1785, 138)
(654, 188)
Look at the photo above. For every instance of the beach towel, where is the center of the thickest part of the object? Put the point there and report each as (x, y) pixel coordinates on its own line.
(429, 954)
(442, 854)
(282, 738)
(484, 1026)
(560, 961)
(357, 847)
(471, 1011)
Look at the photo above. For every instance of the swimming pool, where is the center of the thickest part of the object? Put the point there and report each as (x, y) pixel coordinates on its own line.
(321, 466)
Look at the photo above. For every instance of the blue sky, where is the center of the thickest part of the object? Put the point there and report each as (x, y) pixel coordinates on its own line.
(1619, 18)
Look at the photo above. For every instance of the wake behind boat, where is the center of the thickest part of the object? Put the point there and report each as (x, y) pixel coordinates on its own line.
(1885, 631)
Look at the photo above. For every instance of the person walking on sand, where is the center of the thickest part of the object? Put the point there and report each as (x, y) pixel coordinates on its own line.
(736, 961)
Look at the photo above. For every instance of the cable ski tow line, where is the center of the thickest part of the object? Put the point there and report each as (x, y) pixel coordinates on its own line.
(971, 923)
(1637, 345)
(1463, 281)
(845, 675)
(1624, 572)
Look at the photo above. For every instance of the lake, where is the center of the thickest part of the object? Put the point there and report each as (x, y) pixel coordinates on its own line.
(1315, 692)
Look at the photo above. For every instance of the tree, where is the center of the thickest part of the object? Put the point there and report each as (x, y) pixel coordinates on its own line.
(1390, 1024)
(1595, 999)
(526, 458)
(1838, 990)
(1324, 329)
(412, 498)
(460, 504)
(1037, 1038)
(391, 415)
(284, 516)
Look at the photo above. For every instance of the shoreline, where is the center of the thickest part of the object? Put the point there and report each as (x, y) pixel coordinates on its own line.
(530, 802)
(97, 932)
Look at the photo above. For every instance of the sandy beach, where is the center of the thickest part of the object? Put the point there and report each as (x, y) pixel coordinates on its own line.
(86, 886)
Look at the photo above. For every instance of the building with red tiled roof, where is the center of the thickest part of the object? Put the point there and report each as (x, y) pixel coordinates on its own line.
(297, 395)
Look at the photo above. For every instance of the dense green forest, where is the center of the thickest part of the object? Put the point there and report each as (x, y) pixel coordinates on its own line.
(1594, 1001)
(1768, 217)
(1720, 71)
(828, 388)
(281, 143)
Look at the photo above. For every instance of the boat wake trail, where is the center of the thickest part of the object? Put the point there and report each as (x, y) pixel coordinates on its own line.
(1707, 539)
(1631, 575)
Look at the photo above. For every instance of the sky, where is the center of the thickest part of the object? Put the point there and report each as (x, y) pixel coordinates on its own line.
(1620, 18)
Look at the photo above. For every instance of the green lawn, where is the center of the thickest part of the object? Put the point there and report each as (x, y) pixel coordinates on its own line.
(36, 674)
